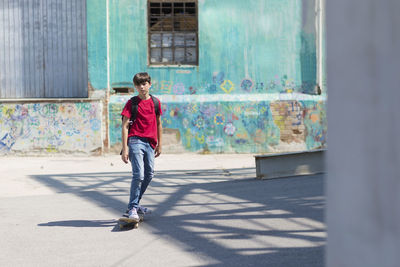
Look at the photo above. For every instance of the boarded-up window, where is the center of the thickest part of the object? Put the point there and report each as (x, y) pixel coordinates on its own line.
(172, 30)
(43, 49)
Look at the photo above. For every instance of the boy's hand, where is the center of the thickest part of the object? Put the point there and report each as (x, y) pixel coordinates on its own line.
(125, 156)
(157, 151)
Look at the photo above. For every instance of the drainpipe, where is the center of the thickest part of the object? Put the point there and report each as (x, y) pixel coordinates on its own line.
(320, 18)
(107, 100)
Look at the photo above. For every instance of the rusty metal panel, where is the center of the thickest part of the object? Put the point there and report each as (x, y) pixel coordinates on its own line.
(43, 50)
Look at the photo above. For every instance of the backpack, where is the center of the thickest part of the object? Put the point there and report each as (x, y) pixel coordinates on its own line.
(134, 109)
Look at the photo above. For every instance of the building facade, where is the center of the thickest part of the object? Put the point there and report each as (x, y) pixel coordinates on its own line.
(232, 76)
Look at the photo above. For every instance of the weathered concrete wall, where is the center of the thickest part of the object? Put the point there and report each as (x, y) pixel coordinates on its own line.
(43, 127)
(238, 40)
(97, 43)
(234, 125)
(254, 89)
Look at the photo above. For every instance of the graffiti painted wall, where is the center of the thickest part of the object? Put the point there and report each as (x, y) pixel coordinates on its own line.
(255, 87)
(221, 124)
(50, 127)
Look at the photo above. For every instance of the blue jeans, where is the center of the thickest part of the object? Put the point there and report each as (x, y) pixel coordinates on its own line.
(141, 156)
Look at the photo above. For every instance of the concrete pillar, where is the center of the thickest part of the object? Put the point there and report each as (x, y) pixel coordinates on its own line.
(363, 181)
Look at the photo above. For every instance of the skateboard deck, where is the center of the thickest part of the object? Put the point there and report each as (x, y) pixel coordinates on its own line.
(125, 223)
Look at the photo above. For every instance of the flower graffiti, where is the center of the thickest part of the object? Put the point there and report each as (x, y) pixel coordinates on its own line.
(50, 127)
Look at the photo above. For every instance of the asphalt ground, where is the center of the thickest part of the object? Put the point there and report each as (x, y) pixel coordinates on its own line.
(208, 210)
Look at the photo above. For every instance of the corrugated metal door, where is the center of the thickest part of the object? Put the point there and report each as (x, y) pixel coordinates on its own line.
(43, 49)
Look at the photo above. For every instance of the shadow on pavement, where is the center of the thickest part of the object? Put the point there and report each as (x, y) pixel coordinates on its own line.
(223, 215)
(81, 223)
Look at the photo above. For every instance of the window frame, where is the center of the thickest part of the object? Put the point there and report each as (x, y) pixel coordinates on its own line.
(172, 63)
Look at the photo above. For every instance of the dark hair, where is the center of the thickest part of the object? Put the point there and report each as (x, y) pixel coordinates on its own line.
(141, 77)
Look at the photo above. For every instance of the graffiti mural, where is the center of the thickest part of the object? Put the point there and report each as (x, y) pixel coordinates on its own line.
(245, 127)
(50, 127)
(240, 126)
(236, 115)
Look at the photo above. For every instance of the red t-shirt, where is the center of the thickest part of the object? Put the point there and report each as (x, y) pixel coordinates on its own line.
(145, 124)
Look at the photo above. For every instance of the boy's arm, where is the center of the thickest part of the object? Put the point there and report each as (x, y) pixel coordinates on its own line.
(159, 137)
(124, 137)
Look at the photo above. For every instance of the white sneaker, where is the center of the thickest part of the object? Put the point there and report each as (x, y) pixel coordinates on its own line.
(133, 215)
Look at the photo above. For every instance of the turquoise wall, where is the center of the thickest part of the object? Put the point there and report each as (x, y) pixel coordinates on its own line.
(260, 40)
(97, 43)
(253, 90)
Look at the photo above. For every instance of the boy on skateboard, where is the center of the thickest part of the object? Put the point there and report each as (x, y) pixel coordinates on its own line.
(141, 141)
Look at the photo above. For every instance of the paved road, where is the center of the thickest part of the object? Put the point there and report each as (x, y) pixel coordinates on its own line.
(208, 210)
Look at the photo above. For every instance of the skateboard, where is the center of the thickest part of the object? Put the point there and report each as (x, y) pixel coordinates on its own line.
(125, 223)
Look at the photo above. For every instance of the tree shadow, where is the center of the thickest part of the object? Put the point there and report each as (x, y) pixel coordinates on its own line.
(226, 215)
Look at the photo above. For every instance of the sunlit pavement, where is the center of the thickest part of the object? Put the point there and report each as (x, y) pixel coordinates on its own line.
(208, 210)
